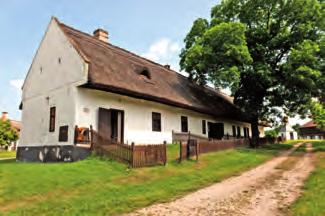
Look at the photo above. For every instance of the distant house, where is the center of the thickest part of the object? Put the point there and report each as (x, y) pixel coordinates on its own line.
(288, 133)
(311, 131)
(77, 79)
(15, 125)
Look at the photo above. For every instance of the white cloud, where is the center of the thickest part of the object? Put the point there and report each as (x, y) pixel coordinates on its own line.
(17, 83)
(163, 50)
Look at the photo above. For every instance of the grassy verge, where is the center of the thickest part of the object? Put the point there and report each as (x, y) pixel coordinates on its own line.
(102, 187)
(7, 154)
(312, 201)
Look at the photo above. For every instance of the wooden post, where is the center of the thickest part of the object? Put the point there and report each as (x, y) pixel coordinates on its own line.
(132, 158)
(180, 152)
(91, 138)
(197, 151)
(76, 134)
(165, 153)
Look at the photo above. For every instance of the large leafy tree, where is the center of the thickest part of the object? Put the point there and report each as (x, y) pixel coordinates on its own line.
(318, 114)
(7, 133)
(267, 52)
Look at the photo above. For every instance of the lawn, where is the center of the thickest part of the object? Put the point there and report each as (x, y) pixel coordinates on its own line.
(7, 154)
(312, 201)
(102, 187)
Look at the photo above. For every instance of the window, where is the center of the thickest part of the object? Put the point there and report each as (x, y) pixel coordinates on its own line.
(184, 124)
(234, 131)
(52, 119)
(245, 132)
(247, 129)
(156, 121)
(204, 127)
(146, 73)
(238, 132)
(63, 133)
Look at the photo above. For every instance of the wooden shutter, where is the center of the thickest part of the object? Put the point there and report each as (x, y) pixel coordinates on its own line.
(52, 119)
(204, 127)
(63, 133)
(238, 132)
(156, 121)
(184, 124)
(234, 131)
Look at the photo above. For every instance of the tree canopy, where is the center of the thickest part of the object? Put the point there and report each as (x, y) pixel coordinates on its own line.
(318, 114)
(7, 133)
(269, 53)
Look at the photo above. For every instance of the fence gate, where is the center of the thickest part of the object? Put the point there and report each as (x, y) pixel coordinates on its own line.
(188, 150)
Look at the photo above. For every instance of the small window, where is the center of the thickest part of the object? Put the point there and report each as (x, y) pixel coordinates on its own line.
(59, 60)
(184, 124)
(145, 73)
(238, 132)
(204, 127)
(63, 133)
(234, 131)
(156, 121)
(52, 119)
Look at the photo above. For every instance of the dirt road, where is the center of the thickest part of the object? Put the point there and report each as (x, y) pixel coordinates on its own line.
(266, 190)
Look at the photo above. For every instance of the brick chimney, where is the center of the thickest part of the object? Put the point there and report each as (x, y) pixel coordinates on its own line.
(4, 116)
(167, 66)
(101, 34)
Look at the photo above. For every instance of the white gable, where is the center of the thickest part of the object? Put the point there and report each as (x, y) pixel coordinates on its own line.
(55, 65)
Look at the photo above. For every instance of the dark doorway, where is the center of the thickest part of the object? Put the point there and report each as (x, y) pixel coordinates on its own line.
(111, 125)
(215, 130)
(291, 136)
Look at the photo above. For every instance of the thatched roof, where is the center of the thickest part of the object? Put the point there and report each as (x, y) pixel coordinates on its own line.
(117, 70)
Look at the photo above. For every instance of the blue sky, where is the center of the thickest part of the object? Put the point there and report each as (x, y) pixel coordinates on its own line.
(154, 29)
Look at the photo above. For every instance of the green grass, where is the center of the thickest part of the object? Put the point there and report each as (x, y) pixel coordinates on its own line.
(312, 201)
(7, 154)
(277, 146)
(102, 187)
(293, 142)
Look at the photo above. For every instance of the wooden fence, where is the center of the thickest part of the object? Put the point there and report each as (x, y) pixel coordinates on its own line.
(133, 155)
(219, 145)
(193, 147)
(269, 140)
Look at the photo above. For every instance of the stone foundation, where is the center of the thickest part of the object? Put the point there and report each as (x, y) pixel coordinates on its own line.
(51, 153)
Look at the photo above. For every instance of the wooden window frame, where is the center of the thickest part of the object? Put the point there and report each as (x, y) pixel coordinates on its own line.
(64, 133)
(184, 124)
(156, 121)
(52, 119)
(204, 127)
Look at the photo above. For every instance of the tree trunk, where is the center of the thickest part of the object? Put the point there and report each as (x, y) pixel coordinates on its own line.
(255, 134)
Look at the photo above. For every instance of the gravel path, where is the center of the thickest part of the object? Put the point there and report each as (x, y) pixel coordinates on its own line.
(266, 190)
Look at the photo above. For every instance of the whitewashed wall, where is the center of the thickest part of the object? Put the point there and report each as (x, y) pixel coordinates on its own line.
(138, 114)
(51, 83)
(286, 135)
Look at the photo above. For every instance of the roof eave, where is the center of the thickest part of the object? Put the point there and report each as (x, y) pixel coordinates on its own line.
(121, 91)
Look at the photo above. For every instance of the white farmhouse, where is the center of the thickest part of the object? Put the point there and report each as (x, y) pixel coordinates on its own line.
(286, 132)
(77, 79)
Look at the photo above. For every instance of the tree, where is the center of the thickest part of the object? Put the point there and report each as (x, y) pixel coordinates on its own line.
(272, 133)
(7, 133)
(318, 114)
(296, 127)
(267, 52)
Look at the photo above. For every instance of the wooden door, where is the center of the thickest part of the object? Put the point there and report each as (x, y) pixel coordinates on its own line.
(104, 123)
